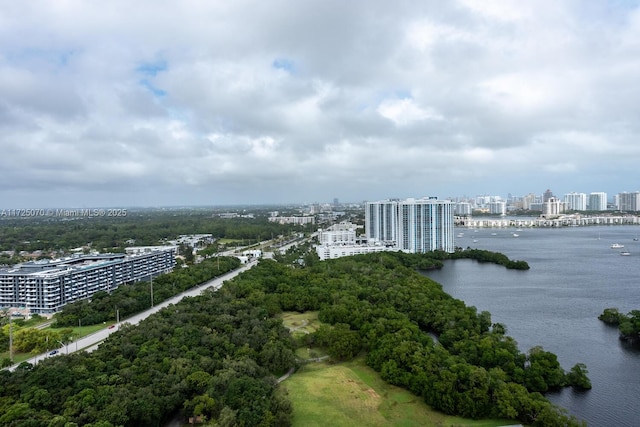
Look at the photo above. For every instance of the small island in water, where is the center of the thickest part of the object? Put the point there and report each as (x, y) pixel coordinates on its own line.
(628, 324)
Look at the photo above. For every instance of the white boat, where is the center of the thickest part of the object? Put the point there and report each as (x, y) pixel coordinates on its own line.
(494, 234)
(625, 253)
(616, 246)
(515, 235)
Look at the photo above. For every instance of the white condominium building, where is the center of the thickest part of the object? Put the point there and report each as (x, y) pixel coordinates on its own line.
(553, 207)
(425, 225)
(381, 221)
(338, 234)
(576, 201)
(498, 208)
(463, 208)
(298, 220)
(414, 225)
(338, 251)
(629, 201)
(597, 201)
(46, 286)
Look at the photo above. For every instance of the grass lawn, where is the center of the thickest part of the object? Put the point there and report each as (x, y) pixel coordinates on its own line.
(306, 322)
(78, 332)
(350, 394)
(229, 241)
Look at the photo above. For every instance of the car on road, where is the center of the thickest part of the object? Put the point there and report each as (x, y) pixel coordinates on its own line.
(112, 326)
(53, 353)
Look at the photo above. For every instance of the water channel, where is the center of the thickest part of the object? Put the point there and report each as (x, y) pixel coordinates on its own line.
(574, 276)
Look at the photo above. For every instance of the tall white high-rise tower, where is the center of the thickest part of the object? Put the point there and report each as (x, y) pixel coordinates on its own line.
(413, 225)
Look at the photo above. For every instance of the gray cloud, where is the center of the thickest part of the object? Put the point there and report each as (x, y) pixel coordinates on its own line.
(252, 102)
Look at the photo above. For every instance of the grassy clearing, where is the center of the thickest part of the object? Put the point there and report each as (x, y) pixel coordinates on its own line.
(305, 323)
(351, 393)
(232, 242)
(77, 333)
(310, 353)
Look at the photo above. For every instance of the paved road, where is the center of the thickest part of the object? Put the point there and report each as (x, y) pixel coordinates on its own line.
(91, 342)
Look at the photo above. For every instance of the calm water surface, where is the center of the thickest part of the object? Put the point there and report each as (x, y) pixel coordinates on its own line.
(574, 276)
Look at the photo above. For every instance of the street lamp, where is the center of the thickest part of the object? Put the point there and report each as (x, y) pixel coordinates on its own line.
(10, 339)
(65, 345)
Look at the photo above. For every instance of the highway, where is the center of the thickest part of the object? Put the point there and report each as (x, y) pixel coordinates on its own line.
(91, 342)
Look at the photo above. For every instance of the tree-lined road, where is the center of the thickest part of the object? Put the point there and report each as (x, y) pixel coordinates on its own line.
(91, 342)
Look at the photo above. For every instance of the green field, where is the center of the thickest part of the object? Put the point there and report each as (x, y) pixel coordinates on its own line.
(349, 394)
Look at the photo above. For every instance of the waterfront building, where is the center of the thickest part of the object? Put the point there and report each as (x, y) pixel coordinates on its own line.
(498, 208)
(597, 201)
(576, 201)
(529, 200)
(629, 202)
(553, 207)
(463, 208)
(343, 233)
(381, 221)
(337, 251)
(46, 286)
(425, 225)
(412, 225)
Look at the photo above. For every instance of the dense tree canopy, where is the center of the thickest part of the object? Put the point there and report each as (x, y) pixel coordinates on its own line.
(217, 355)
(142, 227)
(133, 298)
(393, 314)
(214, 355)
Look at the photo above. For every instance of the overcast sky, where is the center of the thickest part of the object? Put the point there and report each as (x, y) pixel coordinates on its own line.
(152, 102)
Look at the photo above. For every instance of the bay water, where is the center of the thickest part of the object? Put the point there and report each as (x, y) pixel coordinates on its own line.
(574, 275)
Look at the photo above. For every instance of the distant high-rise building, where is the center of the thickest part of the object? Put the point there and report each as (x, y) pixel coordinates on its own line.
(576, 201)
(529, 200)
(498, 208)
(629, 202)
(597, 201)
(463, 208)
(553, 207)
(547, 195)
(421, 225)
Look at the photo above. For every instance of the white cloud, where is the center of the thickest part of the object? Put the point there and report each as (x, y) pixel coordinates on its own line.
(405, 111)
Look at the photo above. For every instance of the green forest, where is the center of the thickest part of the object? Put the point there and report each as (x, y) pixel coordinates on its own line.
(218, 355)
(125, 301)
(139, 228)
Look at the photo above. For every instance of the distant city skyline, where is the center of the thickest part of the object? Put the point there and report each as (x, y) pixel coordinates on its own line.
(120, 103)
(310, 201)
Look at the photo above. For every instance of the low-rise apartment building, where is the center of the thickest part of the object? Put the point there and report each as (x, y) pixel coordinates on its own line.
(46, 286)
